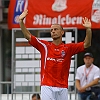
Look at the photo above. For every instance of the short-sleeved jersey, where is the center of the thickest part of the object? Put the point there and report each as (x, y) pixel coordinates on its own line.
(55, 61)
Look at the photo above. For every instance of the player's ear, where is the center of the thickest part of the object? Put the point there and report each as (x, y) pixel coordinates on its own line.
(63, 32)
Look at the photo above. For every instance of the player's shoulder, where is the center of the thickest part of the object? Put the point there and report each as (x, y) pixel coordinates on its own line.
(74, 44)
(69, 44)
(44, 42)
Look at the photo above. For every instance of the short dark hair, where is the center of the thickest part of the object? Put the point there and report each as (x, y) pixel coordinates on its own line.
(36, 95)
(59, 25)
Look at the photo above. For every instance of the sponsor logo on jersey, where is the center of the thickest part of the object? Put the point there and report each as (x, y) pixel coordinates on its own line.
(55, 59)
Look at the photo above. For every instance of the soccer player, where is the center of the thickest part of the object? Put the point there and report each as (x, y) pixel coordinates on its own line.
(55, 58)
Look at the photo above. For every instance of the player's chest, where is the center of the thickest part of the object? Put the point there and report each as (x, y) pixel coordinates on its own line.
(54, 51)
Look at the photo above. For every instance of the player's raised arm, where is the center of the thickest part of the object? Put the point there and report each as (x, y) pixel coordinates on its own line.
(26, 33)
(87, 24)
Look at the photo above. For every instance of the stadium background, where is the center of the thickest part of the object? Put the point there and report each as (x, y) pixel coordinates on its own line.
(6, 47)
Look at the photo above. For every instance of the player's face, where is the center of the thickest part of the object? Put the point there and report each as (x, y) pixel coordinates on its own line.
(88, 60)
(56, 32)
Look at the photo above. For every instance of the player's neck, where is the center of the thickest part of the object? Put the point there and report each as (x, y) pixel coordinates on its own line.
(57, 42)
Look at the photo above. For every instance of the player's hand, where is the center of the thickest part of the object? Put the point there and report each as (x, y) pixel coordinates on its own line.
(23, 15)
(86, 23)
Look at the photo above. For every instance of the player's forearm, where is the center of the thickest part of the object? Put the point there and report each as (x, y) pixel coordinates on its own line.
(87, 41)
(94, 82)
(26, 33)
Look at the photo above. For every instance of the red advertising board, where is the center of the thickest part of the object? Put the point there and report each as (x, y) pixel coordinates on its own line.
(43, 13)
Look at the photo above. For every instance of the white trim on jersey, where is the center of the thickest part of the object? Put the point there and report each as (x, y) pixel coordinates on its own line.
(45, 47)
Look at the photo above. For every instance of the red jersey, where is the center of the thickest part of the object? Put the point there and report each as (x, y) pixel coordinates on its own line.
(55, 61)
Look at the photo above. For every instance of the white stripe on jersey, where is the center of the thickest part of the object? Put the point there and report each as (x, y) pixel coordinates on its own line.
(45, 47)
